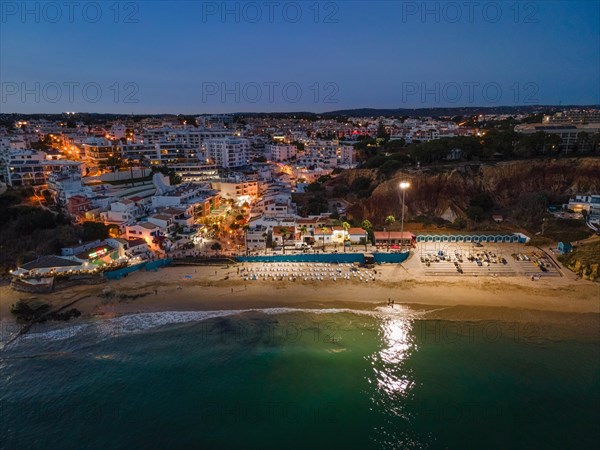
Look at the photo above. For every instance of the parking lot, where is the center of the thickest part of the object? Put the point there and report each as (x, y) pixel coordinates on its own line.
(493, 259)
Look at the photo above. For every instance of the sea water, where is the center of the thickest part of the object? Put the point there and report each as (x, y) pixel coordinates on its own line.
(285, 378)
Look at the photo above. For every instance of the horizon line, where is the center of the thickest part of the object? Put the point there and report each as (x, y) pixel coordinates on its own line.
(338, 111)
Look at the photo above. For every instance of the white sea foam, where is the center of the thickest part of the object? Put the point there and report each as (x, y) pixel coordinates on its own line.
(139, 322)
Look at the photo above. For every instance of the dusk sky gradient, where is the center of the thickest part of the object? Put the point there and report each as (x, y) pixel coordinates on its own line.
(376, 55)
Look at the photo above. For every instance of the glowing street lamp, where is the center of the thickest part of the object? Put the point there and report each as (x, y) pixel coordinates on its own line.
(403, 186)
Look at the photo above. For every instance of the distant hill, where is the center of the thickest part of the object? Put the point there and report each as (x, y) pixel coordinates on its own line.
(360, 112)
(455, 111)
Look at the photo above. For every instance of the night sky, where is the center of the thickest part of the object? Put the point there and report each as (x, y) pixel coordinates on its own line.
(194, 57)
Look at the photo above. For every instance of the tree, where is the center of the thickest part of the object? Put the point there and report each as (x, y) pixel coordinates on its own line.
(284, 235)
(265, 237)
(483, 200)
(346, 227)
(130, 165)
(114, 162)
(94, 231)
(303, 231)
(389, 220)
(382, 132)
(475, 212)
(360, 184)
(595, 141)
(323, 231)
(246, 227)
(142, 162)
(216, 247)
(368, 227)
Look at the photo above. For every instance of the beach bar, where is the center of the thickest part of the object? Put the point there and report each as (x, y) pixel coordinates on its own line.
(394, 239)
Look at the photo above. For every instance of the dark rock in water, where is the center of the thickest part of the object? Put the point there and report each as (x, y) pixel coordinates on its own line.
(31, 309)
(67, 315)
(107, 293)
(123, 296)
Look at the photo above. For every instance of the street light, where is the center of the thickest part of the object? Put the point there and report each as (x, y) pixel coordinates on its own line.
(403, 186)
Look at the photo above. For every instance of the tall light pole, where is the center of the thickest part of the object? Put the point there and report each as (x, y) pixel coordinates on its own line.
(403, 186)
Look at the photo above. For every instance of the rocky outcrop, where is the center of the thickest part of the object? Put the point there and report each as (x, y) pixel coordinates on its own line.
(584, 261)
(446, 192)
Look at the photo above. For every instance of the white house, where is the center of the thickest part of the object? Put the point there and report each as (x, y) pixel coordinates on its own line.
(280, 152)
(166, 222)
(144, 230)
(123, 211)
(355, 235)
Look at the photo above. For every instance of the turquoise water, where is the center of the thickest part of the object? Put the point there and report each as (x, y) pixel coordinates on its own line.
(296, 379)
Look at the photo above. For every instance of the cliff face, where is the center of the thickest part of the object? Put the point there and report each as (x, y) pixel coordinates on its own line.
(584, 261)
(447, 194)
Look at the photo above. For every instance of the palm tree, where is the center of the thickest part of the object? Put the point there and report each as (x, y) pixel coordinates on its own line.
(142, 163)
(303, 231)
(284, 235)
(265, 236)
(389, 220)
(245, 227)
(216, 247)
(130, 165)
(323, 231)
(367, 226)
(346, 227)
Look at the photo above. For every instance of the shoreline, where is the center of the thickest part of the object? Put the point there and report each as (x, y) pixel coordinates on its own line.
(206, 288)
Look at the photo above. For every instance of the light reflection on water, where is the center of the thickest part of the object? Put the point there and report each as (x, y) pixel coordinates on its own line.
(393, 383)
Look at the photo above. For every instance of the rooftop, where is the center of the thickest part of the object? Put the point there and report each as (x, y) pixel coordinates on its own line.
(48, 261)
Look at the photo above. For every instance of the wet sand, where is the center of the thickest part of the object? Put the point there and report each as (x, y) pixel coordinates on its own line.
(452, 298)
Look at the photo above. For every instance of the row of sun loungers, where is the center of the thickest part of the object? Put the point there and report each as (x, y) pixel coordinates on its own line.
(307, 272)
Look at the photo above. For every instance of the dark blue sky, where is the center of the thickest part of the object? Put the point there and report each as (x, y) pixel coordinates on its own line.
(187, 57)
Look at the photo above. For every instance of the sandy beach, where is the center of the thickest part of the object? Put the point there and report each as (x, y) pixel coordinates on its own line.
(192, 288)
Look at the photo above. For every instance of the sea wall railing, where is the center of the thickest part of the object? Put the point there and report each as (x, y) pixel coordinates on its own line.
(148, 265)
(327, 258)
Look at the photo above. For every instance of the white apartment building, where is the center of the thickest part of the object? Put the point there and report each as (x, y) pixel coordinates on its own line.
(30, 167)
(67, 183)
(166, 222)
(256, 237)
(118, 131)
(124, 211)
(238, 190)
(568, 133)
(191, 137)
(589, 203)
(195, 171)
(195, 200)
(280, 152)
(99, 150)
(328, 154)
(227, 152)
